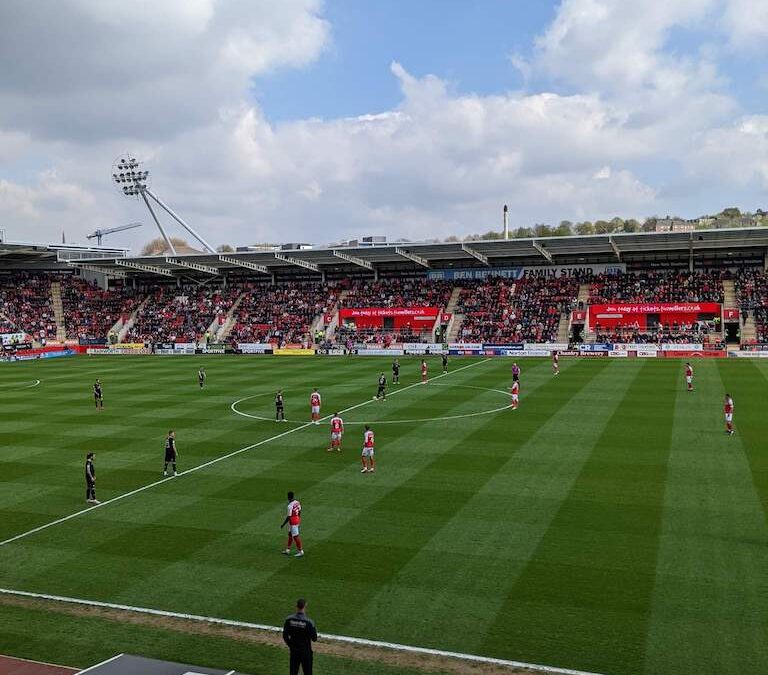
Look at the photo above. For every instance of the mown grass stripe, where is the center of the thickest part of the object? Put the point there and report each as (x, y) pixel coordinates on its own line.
(711, 582)
(590, 580)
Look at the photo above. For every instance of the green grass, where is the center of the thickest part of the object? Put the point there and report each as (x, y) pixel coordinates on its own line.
(608, 525)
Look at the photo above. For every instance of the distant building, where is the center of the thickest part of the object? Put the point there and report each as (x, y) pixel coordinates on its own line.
(295, 247)
(366, 242)
(258, 247)
(674, 225)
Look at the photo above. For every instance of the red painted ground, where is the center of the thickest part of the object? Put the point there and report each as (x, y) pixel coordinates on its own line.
(11, 666)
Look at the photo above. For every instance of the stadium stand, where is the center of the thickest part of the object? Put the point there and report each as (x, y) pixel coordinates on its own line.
(751, 288)
(181, 314)
(657, 287)
(405, 292)
(528, 310)
(25, 301)
(90, 312)
(283, 313)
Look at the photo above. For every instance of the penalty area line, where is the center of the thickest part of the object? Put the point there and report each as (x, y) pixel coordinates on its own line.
(211, 462)
(330, 637)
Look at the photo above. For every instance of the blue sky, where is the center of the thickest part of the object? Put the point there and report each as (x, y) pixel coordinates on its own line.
(465, 43)
(322, 120)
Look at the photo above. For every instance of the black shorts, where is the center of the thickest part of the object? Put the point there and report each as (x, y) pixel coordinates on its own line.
(382, 390)
(515, 378)
(170, 455)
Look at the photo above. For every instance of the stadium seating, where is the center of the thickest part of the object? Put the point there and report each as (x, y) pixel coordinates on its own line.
(283, 314)
(504, 311)
(751, 288)
(181, 314)
(25, 301)
(657, 287)
(90, 312)
(406, 292)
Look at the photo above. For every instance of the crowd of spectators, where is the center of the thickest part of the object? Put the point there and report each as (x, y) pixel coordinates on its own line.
(401, 292)
(751, 288)
(527, 310)
(684, 332)
(181, 314)
(349, 336)
(25, 302)
(90, 312)
(657, 286)
(282, 314)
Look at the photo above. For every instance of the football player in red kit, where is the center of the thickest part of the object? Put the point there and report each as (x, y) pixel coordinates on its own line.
(367, 456)
(293, 520)
(337, 431)
(689, 376)
(423, 371)
(728, 410)
(515, 394)
(314, 404)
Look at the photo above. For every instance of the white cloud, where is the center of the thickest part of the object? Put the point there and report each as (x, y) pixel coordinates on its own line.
(438, 163)
(746, 21)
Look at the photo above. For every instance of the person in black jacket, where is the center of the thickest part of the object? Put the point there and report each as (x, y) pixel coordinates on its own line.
(90, 480)
(299, 633)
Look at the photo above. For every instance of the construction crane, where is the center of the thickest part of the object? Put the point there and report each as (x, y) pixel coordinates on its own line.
(98, 234)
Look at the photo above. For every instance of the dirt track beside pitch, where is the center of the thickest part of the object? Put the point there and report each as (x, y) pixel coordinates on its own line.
(426, 663)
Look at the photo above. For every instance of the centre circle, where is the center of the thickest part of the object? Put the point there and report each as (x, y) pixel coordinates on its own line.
(490, 411)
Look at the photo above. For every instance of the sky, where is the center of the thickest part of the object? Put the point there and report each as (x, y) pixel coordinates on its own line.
(319, 121)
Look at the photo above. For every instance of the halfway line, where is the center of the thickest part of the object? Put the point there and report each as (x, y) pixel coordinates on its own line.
(229, 455)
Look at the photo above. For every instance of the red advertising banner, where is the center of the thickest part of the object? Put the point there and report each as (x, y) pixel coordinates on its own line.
(446, 318)
(418, 319)
(730, 314)
(578, 316)
(657, 308)
(703, 353)
(382, 312)
(623, 314)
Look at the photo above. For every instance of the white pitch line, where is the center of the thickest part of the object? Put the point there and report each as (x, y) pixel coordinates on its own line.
(34, 383)
(216, 460)
(364, 642)
(102, 663)
(479, 413)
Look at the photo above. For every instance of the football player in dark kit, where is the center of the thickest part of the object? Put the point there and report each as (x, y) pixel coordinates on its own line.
(90, 480)
(395, 372)
(382, 393)
(299, 633)
(98, 395)
(170, 453)
(201, 377)
(445, 364)
(279, 406)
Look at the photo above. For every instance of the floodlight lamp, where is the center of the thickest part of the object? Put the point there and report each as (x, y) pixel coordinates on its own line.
(129, 176)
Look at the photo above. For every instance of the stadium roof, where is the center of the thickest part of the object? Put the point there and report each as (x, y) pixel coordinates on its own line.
(21, 255)
(572, 250)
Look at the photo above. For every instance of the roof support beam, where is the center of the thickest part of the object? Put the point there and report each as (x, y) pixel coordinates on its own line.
(475, 254)
(412, 256)
(616, 249)
(108, 271)
(152, 269)
(296, 261)
(207, 269)
(244, 263)
(353, 259)
(543, 251)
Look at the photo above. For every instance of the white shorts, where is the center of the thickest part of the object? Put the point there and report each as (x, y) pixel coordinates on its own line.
(514, 398)
(294, 530)
(729, 417)
(367, 452)
(335, 436)
(688, 379)
(315, 409)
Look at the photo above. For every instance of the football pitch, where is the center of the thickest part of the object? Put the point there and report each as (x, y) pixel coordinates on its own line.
(608, 525)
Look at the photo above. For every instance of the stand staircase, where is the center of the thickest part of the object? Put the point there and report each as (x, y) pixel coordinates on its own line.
(58, 311)
(729, 293)
(330, 331)
(454, 325)
(228, 324)
(122, 331)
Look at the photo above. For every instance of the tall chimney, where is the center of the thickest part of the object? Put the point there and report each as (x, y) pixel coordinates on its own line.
(506, 222)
